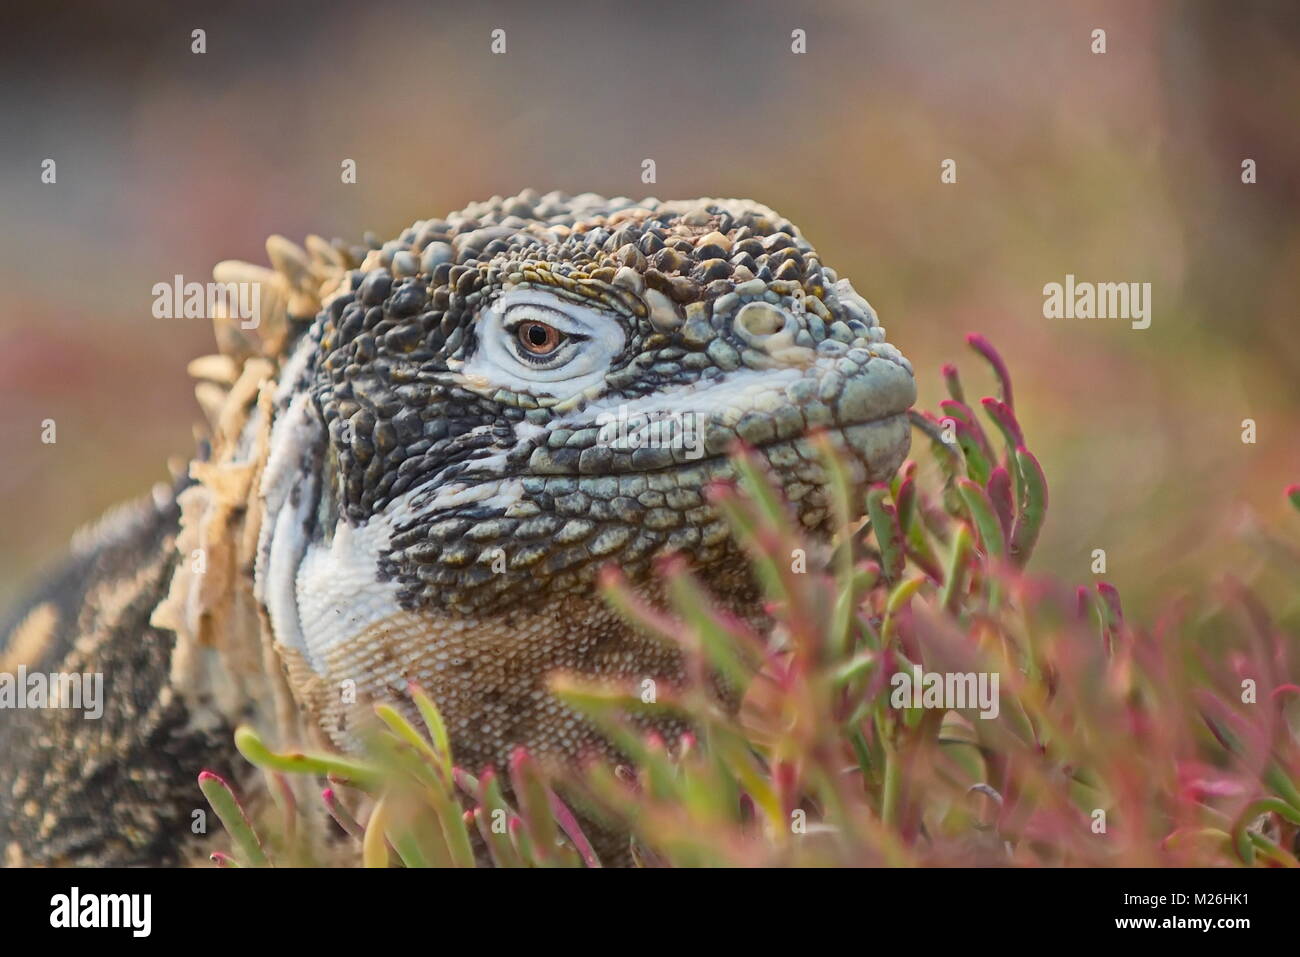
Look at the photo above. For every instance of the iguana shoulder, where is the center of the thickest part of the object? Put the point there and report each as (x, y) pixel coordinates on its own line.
(112, 788)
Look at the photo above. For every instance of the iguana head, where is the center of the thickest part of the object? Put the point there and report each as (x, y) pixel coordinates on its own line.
(498, 403)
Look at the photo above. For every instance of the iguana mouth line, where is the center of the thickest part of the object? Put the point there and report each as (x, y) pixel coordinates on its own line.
(711, 458)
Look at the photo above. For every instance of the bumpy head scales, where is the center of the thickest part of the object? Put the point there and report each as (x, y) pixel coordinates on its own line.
(497, 403)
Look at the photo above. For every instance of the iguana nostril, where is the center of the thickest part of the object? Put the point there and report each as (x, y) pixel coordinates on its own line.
(760, 319)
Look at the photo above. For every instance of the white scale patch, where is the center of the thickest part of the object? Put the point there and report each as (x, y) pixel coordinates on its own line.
(282, 540)
(321, 596)
(337, 593)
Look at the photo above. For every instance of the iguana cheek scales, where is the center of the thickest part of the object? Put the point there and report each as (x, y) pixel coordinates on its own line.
(394, 492)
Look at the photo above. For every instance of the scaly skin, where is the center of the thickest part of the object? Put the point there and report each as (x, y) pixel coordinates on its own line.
(429, 488)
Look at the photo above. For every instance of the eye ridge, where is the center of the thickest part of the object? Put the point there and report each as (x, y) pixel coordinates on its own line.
(522, 312)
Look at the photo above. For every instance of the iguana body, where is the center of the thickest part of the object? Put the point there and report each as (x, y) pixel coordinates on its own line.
(412, 476)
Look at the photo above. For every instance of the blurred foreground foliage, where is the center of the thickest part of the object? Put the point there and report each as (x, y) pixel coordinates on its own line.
(1113, 744)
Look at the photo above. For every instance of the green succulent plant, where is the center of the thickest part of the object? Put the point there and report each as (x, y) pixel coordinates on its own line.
(1110, 743)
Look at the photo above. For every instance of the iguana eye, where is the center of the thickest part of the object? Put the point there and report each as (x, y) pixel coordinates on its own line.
(529, 340)
(538, 338)
(543, 337)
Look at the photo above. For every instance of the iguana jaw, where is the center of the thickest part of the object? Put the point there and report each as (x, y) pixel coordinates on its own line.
(347, 626)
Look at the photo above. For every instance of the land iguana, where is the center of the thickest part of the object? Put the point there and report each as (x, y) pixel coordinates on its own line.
(410, 475)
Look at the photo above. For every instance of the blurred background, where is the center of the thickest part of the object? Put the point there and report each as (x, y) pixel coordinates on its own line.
(1120, 167)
